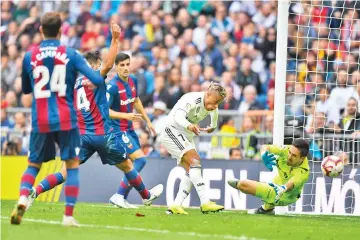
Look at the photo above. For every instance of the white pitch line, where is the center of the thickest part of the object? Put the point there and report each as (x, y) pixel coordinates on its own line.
(135, 229)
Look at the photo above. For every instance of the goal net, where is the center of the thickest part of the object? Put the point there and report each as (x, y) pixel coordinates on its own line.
(322, 99)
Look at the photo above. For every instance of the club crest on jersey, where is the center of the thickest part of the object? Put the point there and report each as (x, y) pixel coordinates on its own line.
(130, 146)
(133, 89)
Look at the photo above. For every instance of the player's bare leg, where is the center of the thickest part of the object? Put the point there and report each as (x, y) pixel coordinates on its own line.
(139, 161)
(48, 183)
(253, 188)
(192, 164)
(71, 191)
(136, 181)
(27, 182)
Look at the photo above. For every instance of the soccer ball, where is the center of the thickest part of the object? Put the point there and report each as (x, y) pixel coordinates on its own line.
(332, 166)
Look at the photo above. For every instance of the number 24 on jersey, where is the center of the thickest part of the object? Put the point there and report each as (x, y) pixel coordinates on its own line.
(57, 81)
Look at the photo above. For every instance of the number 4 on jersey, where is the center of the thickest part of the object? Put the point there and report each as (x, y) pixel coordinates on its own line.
(82, 102)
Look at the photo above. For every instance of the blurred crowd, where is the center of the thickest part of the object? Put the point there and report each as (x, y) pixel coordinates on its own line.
(181, 46)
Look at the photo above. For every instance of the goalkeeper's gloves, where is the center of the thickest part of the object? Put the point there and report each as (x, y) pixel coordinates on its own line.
(269, 160)
(279, 190)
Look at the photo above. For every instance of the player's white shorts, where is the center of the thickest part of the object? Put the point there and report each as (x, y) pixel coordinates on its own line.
(176, 142)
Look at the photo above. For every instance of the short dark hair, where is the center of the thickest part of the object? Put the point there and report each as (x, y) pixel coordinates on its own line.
(51, 23)
(232, 150)
(302, 145)
(92, 56)
(121, 57)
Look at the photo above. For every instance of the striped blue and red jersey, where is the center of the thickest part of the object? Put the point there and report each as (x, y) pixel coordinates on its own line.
(49, 73)
(121, 96)
(92, 108)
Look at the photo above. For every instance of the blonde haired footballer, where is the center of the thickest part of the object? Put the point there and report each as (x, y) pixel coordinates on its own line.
(178, 138)
(286, 186)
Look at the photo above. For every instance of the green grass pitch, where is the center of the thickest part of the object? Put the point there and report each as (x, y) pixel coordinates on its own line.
(102, 221)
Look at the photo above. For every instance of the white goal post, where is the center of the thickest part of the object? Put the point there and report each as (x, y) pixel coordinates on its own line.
(317, 77)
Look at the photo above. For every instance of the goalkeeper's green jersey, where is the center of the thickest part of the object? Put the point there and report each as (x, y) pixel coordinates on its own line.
(299, 175)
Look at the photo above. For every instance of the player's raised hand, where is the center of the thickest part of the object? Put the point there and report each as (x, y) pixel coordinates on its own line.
(279, 191)
(115, 31)
(207, 129)
(151, 128)
(135, 117)
(194, 128)
(269, 160)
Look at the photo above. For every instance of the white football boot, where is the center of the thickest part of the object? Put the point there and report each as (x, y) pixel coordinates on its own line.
(69, 221)
(31, 198)
(155, 192)
(19, 210)
(118, 200)
(129, 205)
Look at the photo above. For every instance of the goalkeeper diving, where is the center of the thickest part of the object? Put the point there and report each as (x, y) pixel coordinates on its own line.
(293, 172)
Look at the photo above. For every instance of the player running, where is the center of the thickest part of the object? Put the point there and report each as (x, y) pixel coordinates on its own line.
(95, 130)
(285, 188)
(123, 98)
(49, 72)
(178, 138)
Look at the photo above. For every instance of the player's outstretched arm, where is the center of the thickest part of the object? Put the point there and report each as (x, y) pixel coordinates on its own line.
(140, 109)
(108, 62)
(268, 160)
(84, 68)
(267, 157)
(180, 119)
(268, 153)
(289, 185)
(111, 92)
(208, 129)
(128, 116)
(299, 178)
(274, 149)
(281, 189)
(214, 115)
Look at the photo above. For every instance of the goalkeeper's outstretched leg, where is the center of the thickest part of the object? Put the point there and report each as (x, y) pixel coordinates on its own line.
(265, 192)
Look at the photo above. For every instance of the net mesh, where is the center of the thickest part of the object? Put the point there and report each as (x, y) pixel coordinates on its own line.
(322, 94)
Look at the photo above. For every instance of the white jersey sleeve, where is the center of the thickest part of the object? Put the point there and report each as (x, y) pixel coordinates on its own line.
(214, 115)
(193, 105)
(186, 103)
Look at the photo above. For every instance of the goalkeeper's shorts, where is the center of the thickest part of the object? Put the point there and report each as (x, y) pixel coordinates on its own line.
(268, 194)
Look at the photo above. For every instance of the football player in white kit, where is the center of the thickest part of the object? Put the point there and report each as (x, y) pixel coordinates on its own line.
(178, 138)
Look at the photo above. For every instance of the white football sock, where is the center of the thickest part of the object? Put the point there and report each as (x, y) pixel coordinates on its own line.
(197, 180)
(184, 190)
